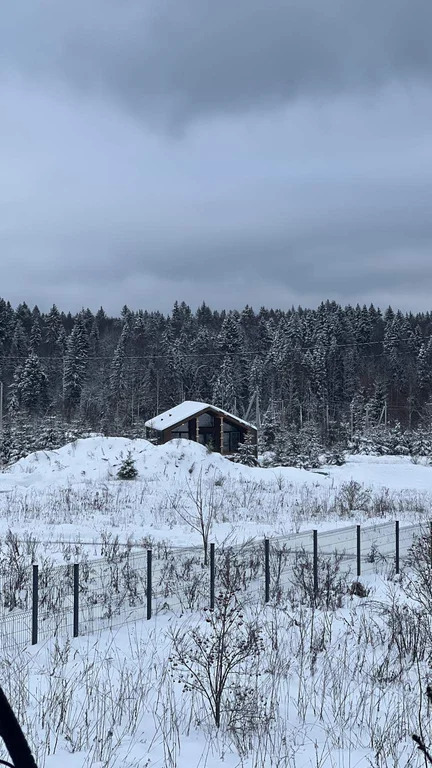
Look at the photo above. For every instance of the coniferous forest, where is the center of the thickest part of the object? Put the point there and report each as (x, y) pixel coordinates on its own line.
(332, 376)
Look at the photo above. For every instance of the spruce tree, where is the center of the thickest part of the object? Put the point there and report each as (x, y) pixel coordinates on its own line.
(35, 336)
(75, 367)
(246, 453)
(20, 343)
(118, 375)
(33, 386)
(127, 469)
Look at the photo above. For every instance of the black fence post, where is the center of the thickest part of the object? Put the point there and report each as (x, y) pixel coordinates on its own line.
(358, 551)
(315, 563)
(35, 604)
(430, 542)
(212, 577)
(267, 569)
(76, 600)
(149, 584)
(397, 546)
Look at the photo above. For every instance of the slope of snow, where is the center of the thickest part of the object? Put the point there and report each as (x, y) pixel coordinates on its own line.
(73, 494)
(99, 458)
(393, 472)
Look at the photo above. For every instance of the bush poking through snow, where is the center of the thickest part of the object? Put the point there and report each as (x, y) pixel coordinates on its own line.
(418, 585)
(127, 470)
(207, 658)
(358, 589)
(332, 581)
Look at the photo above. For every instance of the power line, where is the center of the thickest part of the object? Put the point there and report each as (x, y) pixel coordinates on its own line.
(164, 356)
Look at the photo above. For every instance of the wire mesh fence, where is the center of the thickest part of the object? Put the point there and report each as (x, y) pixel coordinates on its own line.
(40, 602)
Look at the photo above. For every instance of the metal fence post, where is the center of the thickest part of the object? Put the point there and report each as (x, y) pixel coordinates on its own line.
(35, 604)
(212, 577)
(76, 600)
(358, 551)
(397, 546)
(315, 562)
(430, 542)
(267, 569)
(149, 584)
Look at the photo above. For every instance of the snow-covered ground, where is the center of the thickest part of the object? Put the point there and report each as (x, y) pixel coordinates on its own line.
(73, 494)
(334, 685)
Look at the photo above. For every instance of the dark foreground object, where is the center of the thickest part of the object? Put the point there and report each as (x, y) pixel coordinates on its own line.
(13, 737)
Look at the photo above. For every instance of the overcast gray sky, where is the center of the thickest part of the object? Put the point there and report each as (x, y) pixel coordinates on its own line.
(270, 152)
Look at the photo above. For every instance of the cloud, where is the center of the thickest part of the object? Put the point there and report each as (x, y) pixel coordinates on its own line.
(301, 167)
(179, 60)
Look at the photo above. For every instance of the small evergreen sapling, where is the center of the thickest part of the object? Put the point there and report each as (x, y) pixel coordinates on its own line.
(127, 470)
(246, 453)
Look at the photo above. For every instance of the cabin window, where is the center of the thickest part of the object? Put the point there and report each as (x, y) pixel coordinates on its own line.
(206, 420)
(231, 441)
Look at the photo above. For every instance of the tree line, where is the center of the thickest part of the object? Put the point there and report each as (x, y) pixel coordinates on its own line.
(341, 369)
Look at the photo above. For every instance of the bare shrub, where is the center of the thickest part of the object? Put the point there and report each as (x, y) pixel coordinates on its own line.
(200, 511)
(383, 504)
(182, 576)
(352, 496)
(332, 581)
(409, 631)
(358, 589)
(418, 575)
(208, 658)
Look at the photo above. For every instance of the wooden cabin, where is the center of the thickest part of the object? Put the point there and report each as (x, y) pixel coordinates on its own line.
(206, 424)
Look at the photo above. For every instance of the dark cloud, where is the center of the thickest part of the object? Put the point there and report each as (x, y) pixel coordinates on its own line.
(179, 59)
(301, 168)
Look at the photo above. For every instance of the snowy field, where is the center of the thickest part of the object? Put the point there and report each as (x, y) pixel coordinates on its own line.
(72, 494)
(336, 679)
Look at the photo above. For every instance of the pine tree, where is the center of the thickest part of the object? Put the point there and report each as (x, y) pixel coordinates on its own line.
(118, 376)
(33, 386)
(6, 444)
(23, 313)
(270, 431)
(75, 367)
(378, 403)
(127, 469)
(7, 322)
(246, 453)
(230, 338)
(224, 390)
(35, 336)
(308, 447)
(53, 325)
(19, 345)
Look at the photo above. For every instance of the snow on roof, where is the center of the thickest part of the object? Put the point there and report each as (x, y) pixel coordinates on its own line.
(185, 411)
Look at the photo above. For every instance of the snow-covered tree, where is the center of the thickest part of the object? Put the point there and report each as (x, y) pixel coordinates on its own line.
(127, 469)
(75, 366)
(33, 385)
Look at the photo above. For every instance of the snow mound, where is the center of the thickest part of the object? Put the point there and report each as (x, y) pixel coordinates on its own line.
(99, 458)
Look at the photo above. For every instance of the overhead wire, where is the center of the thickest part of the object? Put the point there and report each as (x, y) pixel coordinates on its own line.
(165, 355)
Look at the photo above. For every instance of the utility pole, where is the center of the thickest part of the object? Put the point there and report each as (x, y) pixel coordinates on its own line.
(257, 411)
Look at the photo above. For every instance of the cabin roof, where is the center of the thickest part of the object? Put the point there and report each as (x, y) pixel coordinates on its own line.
(187, 410)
